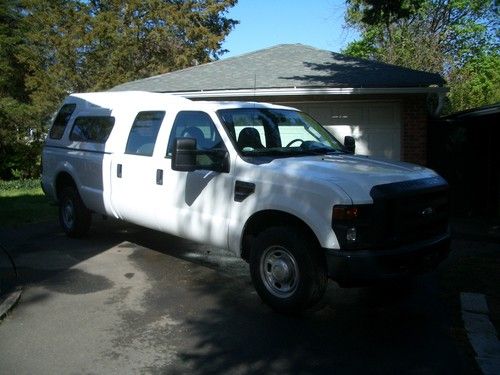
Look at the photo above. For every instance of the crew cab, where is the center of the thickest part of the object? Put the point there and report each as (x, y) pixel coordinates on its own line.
(267, 182)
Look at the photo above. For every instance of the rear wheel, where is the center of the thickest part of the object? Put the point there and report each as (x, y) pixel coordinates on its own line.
(74, 217)
(287, 271)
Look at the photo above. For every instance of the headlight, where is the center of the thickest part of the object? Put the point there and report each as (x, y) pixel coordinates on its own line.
(351, 235)
(353, 225)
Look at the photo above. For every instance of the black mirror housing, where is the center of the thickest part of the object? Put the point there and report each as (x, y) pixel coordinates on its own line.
(224, 162)
(184, 155)
(349, 144)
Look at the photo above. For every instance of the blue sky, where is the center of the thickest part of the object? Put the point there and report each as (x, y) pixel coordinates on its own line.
(265, 23)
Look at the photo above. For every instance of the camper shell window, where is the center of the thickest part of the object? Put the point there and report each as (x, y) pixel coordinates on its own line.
(94, 129)
(61, 120)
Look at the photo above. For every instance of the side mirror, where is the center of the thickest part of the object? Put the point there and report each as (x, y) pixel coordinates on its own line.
(349, 144)
(222, 160)
(186, 158)
(184, 155)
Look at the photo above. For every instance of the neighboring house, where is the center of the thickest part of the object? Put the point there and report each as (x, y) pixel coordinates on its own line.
(385, 107)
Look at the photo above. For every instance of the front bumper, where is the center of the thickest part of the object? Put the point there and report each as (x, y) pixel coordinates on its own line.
(362, 267)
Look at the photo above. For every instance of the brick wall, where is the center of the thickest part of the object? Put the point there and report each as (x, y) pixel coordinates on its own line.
(414, 130)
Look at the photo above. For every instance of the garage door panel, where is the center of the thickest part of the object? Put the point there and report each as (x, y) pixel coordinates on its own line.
(341, 131)
(383, 115)
(320, 112)
(376, 126)
(383, 144)
(347, 114)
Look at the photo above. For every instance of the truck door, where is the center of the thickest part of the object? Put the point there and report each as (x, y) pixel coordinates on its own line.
(195, 205)
(133, 173)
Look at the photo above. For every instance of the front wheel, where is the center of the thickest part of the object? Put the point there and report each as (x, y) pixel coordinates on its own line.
(74, 217)
(287, 271)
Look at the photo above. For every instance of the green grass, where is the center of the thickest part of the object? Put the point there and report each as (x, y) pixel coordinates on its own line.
(23, 202)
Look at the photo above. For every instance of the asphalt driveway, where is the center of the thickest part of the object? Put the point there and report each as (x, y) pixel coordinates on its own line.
(131, 300)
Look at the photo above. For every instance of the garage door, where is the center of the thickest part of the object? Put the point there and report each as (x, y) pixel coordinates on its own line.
(376, 126)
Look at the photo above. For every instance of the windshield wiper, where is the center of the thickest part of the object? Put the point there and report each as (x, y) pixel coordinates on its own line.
(323, 151)
(284, 152)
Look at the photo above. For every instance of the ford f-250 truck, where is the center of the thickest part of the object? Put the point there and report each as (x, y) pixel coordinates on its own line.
(265, 181)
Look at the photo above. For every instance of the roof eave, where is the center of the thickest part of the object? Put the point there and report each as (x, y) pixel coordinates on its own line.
(235, 93)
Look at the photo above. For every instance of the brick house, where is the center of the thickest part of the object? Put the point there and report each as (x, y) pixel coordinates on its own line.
(385, 107)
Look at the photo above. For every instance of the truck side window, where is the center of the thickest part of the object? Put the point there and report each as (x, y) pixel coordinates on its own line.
(197, 125)
(61, 120)
(95, 129)
(142, 137)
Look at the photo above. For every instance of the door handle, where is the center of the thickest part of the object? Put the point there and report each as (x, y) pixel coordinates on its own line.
(119, 171)
(159, 177)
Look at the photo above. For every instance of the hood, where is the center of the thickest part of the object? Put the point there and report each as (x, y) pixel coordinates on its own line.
(356, 175)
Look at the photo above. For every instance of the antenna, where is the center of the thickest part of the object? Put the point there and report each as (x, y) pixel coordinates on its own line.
(254, 87)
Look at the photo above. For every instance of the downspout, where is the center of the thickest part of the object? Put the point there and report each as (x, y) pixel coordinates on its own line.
(434, 107)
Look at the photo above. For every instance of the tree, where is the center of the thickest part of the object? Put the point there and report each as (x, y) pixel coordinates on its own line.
(16, 120)
(442, 36)
(49, 49)
(476, 83)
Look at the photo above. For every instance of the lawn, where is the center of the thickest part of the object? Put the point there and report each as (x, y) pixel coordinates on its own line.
(23, 202)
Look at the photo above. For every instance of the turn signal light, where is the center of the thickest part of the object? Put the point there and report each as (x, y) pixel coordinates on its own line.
(345, 213)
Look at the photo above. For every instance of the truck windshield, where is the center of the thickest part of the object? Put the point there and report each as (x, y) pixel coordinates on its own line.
(277, 132)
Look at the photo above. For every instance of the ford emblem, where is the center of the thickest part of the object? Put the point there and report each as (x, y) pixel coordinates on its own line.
(426, 212)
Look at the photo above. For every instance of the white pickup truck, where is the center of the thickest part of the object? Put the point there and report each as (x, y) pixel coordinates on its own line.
(267, 182)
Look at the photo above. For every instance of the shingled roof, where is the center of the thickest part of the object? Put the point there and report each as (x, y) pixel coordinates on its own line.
(286, 66)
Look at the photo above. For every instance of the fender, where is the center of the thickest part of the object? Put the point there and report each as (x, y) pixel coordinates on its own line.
(316, 213)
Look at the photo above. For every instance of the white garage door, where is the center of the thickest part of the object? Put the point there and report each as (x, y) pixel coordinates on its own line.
(376, 126)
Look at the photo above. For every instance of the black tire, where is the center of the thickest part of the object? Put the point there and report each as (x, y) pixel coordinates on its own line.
(74, 217)
(288, 271)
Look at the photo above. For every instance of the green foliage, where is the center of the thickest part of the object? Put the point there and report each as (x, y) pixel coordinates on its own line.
(449, 37)
(364, 48)
(49, 49)
(380, 12)
(476, 84)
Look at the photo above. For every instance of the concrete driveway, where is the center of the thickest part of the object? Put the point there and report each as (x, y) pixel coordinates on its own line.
(131, 300)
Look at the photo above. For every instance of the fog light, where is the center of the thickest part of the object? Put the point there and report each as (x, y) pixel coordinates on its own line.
(351, 235)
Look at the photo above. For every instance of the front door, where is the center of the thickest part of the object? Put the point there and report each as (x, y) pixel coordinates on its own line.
(195, 205)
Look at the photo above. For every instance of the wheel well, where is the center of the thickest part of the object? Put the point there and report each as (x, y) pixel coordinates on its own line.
(63, 179)
(269, 218)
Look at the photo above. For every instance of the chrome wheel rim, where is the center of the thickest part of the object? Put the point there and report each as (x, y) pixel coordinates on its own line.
(68, 214)
(279, 271)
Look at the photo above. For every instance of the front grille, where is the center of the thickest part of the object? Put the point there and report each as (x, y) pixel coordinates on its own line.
(410, 212)
(417, 217)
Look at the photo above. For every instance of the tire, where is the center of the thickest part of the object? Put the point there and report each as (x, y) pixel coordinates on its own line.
(288, 273)
(74, 217)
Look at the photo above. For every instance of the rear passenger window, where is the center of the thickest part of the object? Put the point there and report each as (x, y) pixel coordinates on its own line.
(95, 129)
(61, 120)
(142, 137)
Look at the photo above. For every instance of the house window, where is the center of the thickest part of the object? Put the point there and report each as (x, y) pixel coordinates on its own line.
(94, 129)
(61, 120)
(142, 137)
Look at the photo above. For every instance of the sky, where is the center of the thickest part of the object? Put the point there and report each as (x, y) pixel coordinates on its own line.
(265, 23)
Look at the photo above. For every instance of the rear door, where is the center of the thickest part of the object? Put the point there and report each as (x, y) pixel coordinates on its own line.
(133, 173)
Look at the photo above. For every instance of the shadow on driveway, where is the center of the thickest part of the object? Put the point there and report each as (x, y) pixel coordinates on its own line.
(197, 312)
